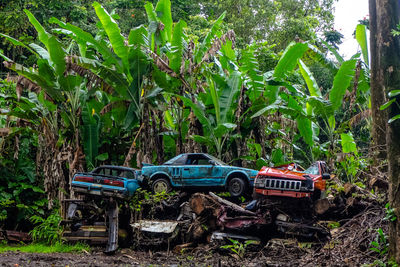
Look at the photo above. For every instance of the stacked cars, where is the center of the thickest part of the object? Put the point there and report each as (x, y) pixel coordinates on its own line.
(198, 171)
(203, 172)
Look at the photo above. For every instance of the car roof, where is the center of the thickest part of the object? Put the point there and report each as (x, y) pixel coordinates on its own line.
(195, 154)
(116, 168)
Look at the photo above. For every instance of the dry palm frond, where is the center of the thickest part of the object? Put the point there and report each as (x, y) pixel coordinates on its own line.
(4, 131)
(164, 67)
(355, 120)
(21, 81)
(216, 46)
(107, 108)
(93, 79)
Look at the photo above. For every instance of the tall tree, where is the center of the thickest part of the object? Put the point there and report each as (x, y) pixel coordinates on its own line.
(278, 22)
(379, 117)
(385, 50)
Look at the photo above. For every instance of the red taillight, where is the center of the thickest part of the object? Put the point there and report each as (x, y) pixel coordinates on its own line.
(113, 182)
(84, 179)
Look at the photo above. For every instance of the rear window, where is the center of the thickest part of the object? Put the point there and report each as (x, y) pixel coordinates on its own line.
(115, 172)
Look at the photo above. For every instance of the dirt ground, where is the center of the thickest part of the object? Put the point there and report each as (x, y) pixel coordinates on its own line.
(200, 256)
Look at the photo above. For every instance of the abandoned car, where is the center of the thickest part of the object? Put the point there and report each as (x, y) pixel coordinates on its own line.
(107, 180)
(292, 181)
(197, 171)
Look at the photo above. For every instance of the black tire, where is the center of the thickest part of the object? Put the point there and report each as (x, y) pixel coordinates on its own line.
(161, 184)
(237, 187)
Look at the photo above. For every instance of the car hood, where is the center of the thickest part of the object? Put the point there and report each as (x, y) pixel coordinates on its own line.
(285, 173)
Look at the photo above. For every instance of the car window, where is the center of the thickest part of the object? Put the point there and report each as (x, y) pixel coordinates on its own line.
(313, 169)
(324, 168)
(197, 159)
(178, 160)
(218, 161)
(99, 171)
(127, 174)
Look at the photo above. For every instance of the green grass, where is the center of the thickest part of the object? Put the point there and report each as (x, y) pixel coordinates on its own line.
(41, 248)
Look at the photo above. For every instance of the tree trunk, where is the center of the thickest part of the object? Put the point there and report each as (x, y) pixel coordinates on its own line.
(385, 52)
(379, 117)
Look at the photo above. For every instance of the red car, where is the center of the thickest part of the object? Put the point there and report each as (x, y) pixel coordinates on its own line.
(292, 181)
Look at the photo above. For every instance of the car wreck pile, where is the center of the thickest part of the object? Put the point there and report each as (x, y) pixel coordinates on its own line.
(115, 208)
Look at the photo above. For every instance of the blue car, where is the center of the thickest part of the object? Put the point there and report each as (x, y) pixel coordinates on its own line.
(109, 181)
(198, 171)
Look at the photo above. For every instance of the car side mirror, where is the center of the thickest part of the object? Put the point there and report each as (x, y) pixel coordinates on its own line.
(326, 176)
(211, 162)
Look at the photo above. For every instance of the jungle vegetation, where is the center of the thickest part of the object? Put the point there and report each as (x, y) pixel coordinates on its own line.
(124, 82)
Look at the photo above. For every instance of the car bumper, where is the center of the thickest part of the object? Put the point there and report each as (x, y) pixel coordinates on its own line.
(101, 191)
(282, 193)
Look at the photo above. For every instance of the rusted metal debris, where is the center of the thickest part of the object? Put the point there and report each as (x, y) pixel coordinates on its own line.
(15, 236)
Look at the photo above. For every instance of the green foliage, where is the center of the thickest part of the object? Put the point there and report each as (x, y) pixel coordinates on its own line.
(390, 213)
(21, 193)
(333, 225)
(143, 198)
(348, 144)
(238, 247)
(47, 230)
(381, 243)
(349, 167)
(42, 248)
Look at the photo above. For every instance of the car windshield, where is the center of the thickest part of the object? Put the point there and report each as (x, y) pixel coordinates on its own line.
(313, 169)
(218, 161)
(178, 160)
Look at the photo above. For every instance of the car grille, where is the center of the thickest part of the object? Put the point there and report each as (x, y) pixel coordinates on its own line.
(279, 184)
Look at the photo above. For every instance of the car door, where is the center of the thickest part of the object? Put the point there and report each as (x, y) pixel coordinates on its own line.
(200, 172)
(176, 169)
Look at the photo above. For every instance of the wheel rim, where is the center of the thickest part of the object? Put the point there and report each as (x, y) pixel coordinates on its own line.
(236, 187)
(160, 186)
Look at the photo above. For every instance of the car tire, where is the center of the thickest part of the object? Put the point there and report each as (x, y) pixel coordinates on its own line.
(237, 187)
(161, 184)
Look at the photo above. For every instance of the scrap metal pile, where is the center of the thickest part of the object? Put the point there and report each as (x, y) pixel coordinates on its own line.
(184, 220)
(286, 202)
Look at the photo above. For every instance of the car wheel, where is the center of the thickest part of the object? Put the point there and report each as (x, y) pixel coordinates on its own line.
(161, 184)
(236, 187)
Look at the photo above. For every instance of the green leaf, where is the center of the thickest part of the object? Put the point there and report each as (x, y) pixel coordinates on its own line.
(18, 43)
(138, 37)
(223, 128)
(387, 104)
(341, 82)
(113, 32)
(348, 144)
(361, 37)
(229, 94)
(42, 34)
(207, 42)
(82, 37)
(334, 51)
(264, 110)
(41, 51)
(332, 122)
(57, 56)
(198, 112)
(310, 80)
(289, 59)
(277, 156)
(305, 129)
(178, 45)
(200, 139)
(394, 93)
(163, 11)
(215, 98)
(321, 107)
(394, 118)
(286, 64)
(102, 157)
